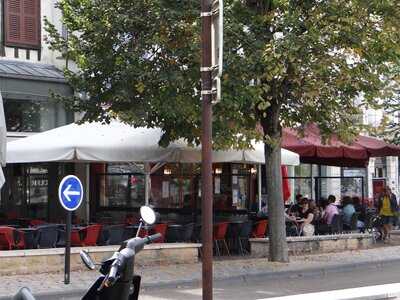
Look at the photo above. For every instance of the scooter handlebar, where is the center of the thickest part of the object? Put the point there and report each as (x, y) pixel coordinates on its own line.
(121, 258)
(152, 238)
(112, 275)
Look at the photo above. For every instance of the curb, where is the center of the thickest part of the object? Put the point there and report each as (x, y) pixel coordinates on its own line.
(306, 272)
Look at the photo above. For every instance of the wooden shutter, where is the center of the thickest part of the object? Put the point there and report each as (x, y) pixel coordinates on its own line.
(22, 23)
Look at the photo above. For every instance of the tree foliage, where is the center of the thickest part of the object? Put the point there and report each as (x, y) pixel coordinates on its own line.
(287, 63)
(140, 61)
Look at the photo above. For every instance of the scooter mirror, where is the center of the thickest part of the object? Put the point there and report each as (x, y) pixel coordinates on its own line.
(87, 260)
(148, 215)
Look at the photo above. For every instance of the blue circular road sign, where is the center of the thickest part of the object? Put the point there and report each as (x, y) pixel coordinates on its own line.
(70, 192)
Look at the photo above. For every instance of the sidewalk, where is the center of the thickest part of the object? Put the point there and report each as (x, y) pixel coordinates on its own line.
(230, 268)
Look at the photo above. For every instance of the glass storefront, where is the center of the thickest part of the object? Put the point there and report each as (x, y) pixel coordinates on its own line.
(27, 193)
(173, 186)
(121, 186)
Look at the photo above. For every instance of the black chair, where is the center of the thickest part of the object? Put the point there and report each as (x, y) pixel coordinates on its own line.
(48, 236)
(232, 234)
(62, 236)
(353, 222)
(31, 239)
(337, 224)
(196, 237)
(243, 238)
(335, 227)
(129, 232)
(187, 232)
(115, 234)
(174, 233)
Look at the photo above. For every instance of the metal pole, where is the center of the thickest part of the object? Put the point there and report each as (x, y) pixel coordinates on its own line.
(67, 248)
(206, 137)
(259, 187)
(87, 193)
(147, 171)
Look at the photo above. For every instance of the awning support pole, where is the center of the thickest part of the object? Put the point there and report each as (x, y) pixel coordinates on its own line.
(147, 184)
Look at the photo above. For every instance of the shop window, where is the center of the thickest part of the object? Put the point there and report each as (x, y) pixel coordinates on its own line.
(30, 195)
(172, 191)
(303, 170)
(121, 190)
(231, 185)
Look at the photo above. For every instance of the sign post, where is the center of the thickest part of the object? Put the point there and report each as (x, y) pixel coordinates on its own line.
(70, 194)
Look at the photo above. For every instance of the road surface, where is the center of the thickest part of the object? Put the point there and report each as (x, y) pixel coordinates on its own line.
(260, 288)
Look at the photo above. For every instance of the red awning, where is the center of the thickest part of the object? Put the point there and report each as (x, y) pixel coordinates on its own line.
(377, 147)
(335, 153)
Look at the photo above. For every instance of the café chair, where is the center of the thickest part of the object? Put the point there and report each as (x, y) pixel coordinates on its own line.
(113, 234)
(162, 229)
(10, 238)
(47, 236)
(219, 232)
(187, 232)
(260, 229)
(243, 238)
(87, 236)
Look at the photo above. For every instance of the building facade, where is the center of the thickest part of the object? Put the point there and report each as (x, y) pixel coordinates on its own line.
(29, 73)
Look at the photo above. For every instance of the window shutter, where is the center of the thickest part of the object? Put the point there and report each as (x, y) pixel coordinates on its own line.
(13, 16)
(22, 20)
(30, 22)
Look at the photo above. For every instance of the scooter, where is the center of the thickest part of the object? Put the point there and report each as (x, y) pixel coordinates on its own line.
(118, 281)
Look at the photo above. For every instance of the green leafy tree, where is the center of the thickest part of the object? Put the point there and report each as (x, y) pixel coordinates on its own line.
(287, 63)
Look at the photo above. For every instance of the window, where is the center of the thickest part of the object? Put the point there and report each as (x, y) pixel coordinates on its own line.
(122, 186)
(34, 116)
(22, 23)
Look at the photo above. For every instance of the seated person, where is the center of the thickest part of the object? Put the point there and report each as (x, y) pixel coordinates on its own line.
(317, 211)
(294, 208)
(264, 210)
(330, 210)
(348, 210)
(306, 218)
(360, 208)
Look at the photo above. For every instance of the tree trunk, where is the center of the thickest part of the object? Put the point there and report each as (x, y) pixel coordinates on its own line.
(278, 249)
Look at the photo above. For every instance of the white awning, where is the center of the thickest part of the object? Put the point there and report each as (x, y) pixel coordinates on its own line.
(118, 142)
(3, 141)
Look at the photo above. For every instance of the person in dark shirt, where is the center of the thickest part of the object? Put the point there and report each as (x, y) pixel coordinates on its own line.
(295, 208)
(306, 218)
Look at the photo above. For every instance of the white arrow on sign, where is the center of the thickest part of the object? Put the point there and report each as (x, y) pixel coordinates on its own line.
(68, 193)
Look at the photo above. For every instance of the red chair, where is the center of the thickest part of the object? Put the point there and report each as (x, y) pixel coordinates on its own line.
(11, 215)
(143, 232)
(87, 236)
(219, 232)
(260, 229)
(162, 229)
(10, 238)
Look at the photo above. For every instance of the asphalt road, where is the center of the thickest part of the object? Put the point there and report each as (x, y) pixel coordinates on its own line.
(265, 288)
(258, 288)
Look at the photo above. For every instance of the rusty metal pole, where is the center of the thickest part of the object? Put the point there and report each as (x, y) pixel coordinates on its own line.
(206, 138)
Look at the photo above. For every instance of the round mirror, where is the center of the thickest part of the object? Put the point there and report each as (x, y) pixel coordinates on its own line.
(87, 260)
(148, 215)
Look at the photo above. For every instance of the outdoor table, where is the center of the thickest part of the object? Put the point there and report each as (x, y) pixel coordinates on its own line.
(175, 225)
